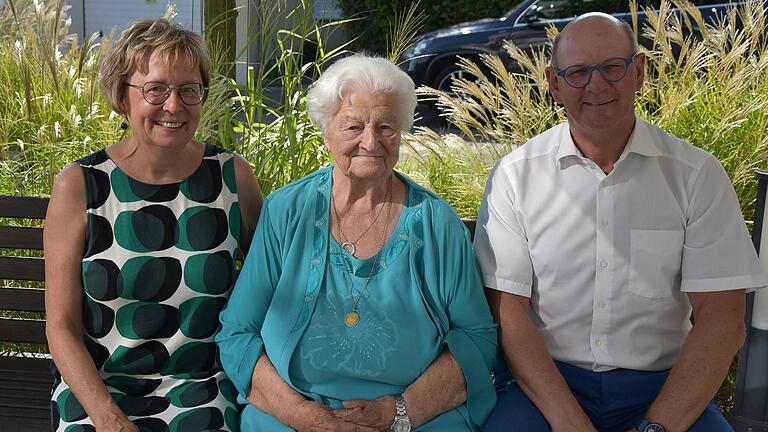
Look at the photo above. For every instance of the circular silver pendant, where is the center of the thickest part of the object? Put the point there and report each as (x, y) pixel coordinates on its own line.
(349, 247)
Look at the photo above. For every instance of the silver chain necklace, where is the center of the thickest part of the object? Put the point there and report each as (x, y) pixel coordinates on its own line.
(351, 246)
(352, 318)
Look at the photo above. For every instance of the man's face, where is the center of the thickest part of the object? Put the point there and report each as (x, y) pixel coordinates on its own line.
(600, 106)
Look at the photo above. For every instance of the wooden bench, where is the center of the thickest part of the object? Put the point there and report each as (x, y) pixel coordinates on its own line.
(25, 378)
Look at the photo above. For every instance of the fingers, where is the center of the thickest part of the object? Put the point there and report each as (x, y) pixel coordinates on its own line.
(355, 403)
(354, 415)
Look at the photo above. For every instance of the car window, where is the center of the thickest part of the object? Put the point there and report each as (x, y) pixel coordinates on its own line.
(552, 10)
(713, 2)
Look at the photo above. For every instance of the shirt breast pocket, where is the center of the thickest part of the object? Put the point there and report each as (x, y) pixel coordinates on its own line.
(655, 260)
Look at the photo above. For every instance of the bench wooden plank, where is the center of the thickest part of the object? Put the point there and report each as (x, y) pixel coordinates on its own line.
(31, 365)
(23, 207)
(470, 224)
(21, 238)
(22, 299)
(22, 330)
(25, 420)
(25, 382)
(22, 268)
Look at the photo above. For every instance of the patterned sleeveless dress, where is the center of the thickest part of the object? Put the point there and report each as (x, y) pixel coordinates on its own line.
(157, 270)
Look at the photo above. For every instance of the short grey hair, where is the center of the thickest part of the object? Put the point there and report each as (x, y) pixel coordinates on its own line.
(630, 35)
(361, 72)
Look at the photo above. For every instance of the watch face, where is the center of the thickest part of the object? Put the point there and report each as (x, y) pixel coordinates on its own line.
(654, 427)
(401, 425)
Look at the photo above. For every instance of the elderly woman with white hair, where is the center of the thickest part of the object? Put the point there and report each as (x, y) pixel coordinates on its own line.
(359, 306)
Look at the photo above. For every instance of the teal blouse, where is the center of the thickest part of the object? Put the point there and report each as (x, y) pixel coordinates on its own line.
(425, 296)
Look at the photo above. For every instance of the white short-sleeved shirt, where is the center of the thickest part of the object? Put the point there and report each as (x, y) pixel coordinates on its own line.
(607, 260)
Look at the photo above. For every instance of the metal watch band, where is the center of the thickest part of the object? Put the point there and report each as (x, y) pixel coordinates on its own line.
(400, 406)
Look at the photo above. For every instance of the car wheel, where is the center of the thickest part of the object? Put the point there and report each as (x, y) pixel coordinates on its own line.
(445, 78)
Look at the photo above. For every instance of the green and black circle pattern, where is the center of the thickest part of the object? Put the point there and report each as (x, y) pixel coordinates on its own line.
(158, 268)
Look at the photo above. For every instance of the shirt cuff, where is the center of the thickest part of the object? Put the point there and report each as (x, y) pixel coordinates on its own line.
(507, 285)
(748, 282)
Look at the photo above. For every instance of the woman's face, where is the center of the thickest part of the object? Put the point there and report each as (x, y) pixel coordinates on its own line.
(172, 123)
(364, 135)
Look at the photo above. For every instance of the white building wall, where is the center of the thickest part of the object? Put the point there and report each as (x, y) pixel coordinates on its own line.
(104, 15)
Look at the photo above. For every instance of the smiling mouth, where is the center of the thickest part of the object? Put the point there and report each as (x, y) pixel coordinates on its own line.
(598, 103)
(171, 125)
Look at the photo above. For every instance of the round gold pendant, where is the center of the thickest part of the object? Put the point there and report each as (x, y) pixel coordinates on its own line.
(351, 319)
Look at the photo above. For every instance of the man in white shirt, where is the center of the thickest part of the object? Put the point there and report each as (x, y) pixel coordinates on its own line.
(597, 241)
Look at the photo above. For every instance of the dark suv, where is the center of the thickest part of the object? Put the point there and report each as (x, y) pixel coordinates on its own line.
(432, 60)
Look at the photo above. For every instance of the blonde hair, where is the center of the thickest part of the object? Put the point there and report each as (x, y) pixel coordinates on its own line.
(138, 43)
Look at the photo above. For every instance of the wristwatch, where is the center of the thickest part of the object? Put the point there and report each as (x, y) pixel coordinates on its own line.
(402, 422)
(647, 426)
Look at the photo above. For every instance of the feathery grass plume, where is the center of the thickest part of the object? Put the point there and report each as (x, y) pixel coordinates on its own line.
(707, 83)
(269, 124)
(52, 112)
(403, 30)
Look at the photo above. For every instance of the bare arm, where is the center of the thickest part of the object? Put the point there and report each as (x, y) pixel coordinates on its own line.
(533, 367)
(250, 198)
(439, 389)
(718, 332)
(64, 244)
(271, 394)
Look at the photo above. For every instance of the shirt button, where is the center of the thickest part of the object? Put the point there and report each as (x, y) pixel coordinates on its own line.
(604, 222)
(308, 299)
(601, 304)
(604, 264)
(598, 342)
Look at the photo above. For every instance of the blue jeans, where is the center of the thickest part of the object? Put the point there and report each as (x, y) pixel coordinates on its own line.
(615, 401)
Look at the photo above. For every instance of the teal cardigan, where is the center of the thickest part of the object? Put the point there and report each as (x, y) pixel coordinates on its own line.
(276, 291)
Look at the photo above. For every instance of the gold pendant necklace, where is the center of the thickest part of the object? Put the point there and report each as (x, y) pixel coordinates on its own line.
(352, 318)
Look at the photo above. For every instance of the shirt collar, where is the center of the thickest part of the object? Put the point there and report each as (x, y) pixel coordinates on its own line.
(640, 142)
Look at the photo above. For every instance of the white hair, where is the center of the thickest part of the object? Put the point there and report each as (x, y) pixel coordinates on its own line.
(360, 72)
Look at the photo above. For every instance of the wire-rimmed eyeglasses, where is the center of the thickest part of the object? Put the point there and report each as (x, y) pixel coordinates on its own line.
(156, 93)
(612, 70)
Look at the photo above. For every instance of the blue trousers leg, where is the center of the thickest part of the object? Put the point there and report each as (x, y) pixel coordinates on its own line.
(604, 397)
(515, 412)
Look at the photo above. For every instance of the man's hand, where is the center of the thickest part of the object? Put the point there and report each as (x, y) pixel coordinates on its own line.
(377, 414)
(311, 416)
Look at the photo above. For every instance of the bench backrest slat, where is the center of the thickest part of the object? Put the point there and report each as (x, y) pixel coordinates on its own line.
(22, 299)
(21, 238)
(18, 330)
(470, 224)
(23, 207)
(22, 268)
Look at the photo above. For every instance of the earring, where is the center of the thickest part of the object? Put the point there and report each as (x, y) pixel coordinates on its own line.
(124, 126)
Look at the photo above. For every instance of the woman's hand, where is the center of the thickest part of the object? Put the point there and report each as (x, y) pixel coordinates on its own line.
(311, 416)
(377, 414)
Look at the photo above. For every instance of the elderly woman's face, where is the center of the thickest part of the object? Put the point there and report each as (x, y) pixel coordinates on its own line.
(364, 135)
(168, 124)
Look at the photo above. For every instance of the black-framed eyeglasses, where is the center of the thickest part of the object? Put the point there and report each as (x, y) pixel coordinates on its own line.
(612, 70)
(156, 93)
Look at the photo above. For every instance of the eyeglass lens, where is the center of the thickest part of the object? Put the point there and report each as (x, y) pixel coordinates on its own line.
(157, 92)
(612, 70)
